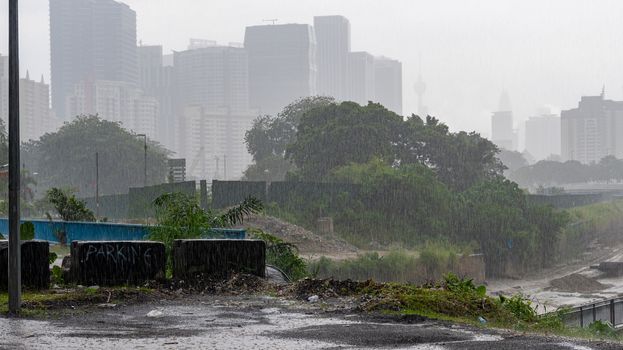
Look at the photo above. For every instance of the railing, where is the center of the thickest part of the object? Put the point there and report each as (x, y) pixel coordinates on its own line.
(607, 311)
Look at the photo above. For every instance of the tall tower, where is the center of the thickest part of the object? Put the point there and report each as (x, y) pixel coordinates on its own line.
(420, 89)
(282, 65)
(333, 42)
(90, 40)
(502, 133)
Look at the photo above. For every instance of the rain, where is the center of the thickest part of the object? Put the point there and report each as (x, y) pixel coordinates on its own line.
(380, 174)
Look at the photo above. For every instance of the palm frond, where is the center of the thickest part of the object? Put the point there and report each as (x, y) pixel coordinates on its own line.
(235, 215)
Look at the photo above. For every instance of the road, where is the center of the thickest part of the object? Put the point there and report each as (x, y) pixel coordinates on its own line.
(256, 322)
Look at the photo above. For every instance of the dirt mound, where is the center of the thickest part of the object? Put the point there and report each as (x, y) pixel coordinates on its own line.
(576, 283)
(306, 241)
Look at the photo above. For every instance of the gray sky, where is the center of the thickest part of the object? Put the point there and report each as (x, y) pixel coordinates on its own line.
(542, 52)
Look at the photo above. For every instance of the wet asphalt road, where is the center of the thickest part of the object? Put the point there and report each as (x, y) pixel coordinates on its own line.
(256, 323)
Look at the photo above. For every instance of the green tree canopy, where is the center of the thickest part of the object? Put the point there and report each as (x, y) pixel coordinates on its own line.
(66, 158)
(340, 134)
(269, 137)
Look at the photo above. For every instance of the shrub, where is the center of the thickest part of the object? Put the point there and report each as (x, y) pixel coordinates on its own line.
(283, 255)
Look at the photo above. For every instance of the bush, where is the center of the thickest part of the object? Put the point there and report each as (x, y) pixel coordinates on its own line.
(179, 216)
(283, 255)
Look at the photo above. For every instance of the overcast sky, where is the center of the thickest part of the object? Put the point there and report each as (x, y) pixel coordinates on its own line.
(541, 52)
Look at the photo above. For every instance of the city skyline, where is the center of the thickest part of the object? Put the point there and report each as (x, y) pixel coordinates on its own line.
(462, 92)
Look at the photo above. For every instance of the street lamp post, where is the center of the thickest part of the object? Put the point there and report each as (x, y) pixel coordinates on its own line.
(144, 159)
(15, 270)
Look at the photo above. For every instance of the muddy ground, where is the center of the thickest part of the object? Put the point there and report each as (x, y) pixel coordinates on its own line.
(258, 322)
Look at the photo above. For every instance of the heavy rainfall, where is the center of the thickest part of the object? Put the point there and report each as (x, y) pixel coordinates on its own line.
(311, 174)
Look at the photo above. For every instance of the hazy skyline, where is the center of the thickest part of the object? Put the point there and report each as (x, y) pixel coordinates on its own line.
(541, 53)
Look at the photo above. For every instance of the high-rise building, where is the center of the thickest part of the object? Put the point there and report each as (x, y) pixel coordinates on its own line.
(543, 135)
(593, 130)
(213, 142)
(502, 132)
(388, 83)
(361, 78)
(155, 79)
(35, 115)
(333, 47)
(282, 65)
(4, 88)
(115, 101)
(213, 77)
(90, 40)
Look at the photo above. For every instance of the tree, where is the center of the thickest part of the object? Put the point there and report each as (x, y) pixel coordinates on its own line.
(269, 137)
(66, 158)
(68, 207)
(459, 159)
(513, 160)
(340, 134)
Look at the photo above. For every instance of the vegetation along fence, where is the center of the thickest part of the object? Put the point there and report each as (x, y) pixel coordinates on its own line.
(606, 311)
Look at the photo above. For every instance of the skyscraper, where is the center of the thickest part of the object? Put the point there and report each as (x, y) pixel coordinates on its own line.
(90, 40)
(4, 88)
(282, 65)
(388, 83)
(593, 130)
(35, 115)
(502, 133)
(155, 81)
(361, 79)
(115, 101)
(333, 47)
(212, 77)
(543, 135)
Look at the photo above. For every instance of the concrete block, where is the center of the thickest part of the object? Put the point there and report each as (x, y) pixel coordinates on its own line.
(35, 264)
(110, 263)
(218, 257)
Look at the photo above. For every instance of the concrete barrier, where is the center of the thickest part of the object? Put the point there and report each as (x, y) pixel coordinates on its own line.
(218, 257)
(611, 268)
(112, 263)
(35, 264)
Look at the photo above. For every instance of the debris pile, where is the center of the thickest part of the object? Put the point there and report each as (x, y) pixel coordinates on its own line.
(576, 283)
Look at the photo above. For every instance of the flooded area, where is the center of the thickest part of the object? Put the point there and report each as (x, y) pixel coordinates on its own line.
(259, 323)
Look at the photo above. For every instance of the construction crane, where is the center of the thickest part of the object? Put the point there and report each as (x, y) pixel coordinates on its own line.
(198, 157)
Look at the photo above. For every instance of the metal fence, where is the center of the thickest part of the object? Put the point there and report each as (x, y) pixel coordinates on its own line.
(607, 311)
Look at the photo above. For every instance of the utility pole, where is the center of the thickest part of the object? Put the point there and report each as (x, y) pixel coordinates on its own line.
(15, 269)
(225, 167)
(97, 186)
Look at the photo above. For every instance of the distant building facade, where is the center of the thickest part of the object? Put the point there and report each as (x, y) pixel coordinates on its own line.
(333, 48)
(502, 132)
(388, 83)
(4, 88)
(543, 136)
(177, 169)
(361, 78)
(213, 142)
(155, 79)
(593, 130)
(36, 117)
(115, 101)
(213, 77)
(282, 65)
(90, 40)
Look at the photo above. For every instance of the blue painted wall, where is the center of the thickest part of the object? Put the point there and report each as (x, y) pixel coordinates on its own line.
(101, 231)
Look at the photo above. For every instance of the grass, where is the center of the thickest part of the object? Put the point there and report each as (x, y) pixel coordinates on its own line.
(429, 262)
(53, 302)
